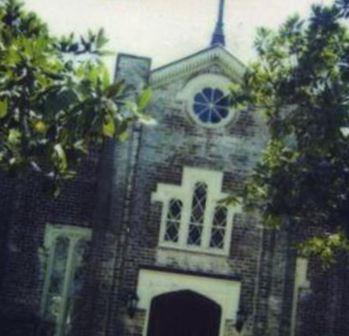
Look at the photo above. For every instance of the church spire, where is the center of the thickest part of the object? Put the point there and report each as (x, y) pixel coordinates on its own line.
(218, 35)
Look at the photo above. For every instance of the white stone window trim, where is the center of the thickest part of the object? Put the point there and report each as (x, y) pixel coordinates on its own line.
(195, 86)
(184, 192)
(52, 233)
(224, 292)
(301, 282)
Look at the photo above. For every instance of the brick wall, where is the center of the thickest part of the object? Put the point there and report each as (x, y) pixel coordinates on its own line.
(25, 212)
(163, 151)
(113, 197)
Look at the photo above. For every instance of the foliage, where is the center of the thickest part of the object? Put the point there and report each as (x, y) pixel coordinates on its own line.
(300, 82)
(56, 99)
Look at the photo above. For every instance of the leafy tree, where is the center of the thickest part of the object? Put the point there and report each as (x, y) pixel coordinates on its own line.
(300, 82)
(56, 99)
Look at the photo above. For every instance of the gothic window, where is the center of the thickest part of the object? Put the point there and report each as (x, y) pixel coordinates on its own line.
(197, 214)
(173, 220)
(192, 217)
(65, 247)
(218, 227)
(211, 106)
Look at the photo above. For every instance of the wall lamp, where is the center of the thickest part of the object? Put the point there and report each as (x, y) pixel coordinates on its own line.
(241, 318)
(131, 304)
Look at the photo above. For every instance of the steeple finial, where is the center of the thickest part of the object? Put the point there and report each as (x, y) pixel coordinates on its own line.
(218, 35)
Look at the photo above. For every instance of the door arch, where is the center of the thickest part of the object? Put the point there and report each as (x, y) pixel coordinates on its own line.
(183, 313)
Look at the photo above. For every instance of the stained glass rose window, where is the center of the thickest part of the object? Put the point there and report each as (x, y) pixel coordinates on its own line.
(211, 106)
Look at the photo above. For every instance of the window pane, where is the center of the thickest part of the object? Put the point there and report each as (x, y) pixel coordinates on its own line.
(194, 237)
(199, 203)
(200, 108)
(173, 220)
(197, 214)
(208, 93)
(223, 102)
(200, 98)
(222, 112)
(64, 278)
(218, 227)
(217, 238)
(215, 116)
(217, 95)
(74, 300)
(56, 280)
(220, 216)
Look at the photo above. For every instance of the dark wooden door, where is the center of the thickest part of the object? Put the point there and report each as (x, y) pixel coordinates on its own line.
(183, 313)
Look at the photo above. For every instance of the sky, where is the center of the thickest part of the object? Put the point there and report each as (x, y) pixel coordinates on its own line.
(167, 30)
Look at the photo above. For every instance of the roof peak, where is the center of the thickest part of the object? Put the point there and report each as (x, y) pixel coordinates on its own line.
(218, 37)
(199, 60)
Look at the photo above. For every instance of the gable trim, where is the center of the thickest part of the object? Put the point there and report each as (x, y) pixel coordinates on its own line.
(194, 62)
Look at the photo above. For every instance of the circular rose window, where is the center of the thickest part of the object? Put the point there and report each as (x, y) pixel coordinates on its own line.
(211, 106)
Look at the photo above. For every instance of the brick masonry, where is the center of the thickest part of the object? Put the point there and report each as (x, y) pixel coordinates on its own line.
(112, 195)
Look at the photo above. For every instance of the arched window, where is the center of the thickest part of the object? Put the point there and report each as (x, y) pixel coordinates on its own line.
(173, 220)
(219, 226)
(197, 214)
(66, 247)
(192, 217)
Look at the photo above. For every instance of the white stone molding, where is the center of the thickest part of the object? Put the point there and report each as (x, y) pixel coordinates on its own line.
(74, 235)
(224, 292)
(184, 192)
(168, 73)
(301, 282)
(197, 84)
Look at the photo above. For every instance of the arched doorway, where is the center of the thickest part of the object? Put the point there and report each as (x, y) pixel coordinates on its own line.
(183, 313)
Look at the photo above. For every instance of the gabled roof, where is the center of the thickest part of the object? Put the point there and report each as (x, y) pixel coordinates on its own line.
(197, 61)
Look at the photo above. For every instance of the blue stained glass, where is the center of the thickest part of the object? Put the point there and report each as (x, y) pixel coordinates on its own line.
(207, 92)
(217, 95)
(199, 108)
(200, 98)
(205, 116)
(222, 111)
(215, 118)
(223, 102)
(211, 106)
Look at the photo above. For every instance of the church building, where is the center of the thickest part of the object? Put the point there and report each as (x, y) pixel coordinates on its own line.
(141, 243)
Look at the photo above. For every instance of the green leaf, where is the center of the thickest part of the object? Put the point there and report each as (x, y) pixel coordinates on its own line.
(3, 108)
(101, 40)
(61, 157)
(114, 89)
(230, 200)
(146, 119)
(109, 127)
(80, 145)
(121, 128)
(144, 99)
(123, 136)
(14, 136)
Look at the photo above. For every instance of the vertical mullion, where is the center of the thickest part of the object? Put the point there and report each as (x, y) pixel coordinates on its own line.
(66, 285)
(184, 224)
(203, 207)
(187, 200)
(228, 230)
(208, 220)
(163, 226)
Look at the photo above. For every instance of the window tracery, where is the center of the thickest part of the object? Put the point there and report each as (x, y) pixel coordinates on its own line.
(65, 248)
(173, 220)
(192, 216)
(211, 105)
(197, 214)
